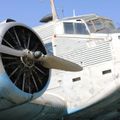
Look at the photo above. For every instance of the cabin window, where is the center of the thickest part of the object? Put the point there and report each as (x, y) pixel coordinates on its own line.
(49, 48)
(75, 28)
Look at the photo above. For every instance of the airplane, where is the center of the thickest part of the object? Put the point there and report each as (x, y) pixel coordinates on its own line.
(64, 69)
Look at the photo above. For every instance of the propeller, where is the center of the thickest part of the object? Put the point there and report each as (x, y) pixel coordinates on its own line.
(10, 51)
(48, 61)
(58, 63)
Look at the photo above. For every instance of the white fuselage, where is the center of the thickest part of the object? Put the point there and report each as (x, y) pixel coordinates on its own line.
(99, 56)
(96, 88)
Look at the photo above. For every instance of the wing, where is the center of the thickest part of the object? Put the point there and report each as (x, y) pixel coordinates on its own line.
(47, 107)
(105, 109)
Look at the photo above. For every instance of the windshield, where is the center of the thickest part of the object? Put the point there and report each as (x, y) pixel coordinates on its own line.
(100, 25)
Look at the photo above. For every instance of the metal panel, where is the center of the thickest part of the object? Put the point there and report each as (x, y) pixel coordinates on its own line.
(45, 32)
(84, 52)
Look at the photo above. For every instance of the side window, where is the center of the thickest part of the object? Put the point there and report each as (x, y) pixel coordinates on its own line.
(75, 28)
(49, 48)
(80, 28)
(68, 28)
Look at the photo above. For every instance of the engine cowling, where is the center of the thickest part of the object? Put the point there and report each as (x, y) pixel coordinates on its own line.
(21, 79)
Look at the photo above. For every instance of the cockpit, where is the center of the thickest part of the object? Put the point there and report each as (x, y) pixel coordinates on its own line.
(100, 25)
(90, 24)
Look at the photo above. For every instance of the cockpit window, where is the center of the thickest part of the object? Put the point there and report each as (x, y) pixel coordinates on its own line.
(75, 28)
(91, 26)
(109, 24)
(80, 28)
(68, 27)
(100, 25)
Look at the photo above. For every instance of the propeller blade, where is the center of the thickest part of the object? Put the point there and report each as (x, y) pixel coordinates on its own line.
(10, 51)
(47, 61)
(54, 62)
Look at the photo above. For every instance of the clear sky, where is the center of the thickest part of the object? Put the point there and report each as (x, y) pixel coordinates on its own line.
(31, 11)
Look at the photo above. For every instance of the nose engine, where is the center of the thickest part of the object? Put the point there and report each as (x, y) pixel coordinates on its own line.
(21, 78)
(24, 63)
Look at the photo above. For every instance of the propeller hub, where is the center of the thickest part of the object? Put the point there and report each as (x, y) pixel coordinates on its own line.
(27, 61)
(37, 54)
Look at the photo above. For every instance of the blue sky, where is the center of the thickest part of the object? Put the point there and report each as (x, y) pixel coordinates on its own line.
(30, 11)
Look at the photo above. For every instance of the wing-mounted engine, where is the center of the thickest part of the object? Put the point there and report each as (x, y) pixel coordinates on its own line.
(21, 78)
